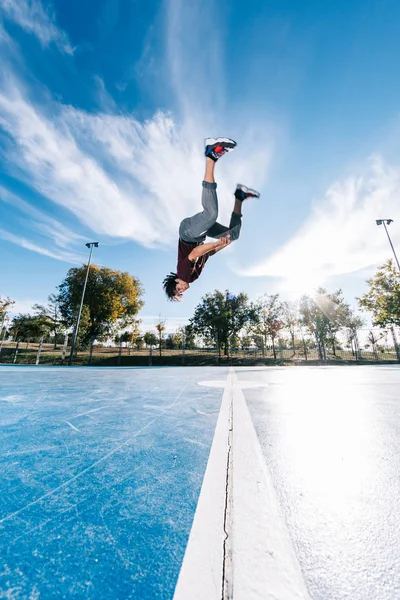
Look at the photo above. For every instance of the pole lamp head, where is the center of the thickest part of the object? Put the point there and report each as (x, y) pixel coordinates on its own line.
(379, 221)
(95, 244)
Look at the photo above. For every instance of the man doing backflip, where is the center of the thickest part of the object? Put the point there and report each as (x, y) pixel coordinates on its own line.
(192, 252)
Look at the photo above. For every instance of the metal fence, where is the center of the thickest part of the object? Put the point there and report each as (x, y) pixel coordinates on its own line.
(370, 345)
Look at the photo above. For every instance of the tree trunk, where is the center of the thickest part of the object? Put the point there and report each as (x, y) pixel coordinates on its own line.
(305, 349)
(318, 343)
(273, 347)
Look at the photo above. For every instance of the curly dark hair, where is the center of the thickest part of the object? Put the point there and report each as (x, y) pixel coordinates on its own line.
(169, 285)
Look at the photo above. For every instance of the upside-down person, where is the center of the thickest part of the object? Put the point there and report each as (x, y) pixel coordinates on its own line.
(193, 253)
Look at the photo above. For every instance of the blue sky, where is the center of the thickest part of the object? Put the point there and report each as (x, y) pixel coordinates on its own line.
(104, 105)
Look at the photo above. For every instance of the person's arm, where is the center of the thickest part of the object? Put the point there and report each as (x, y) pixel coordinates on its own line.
(206, 248)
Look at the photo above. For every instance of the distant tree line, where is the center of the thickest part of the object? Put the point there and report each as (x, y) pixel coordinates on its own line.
(221, 319)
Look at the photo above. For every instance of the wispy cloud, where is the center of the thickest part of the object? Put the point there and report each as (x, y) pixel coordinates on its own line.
(24, 306)
(32, 16)
(341, 235)
(28, 245)
(50, 231)
(119, 176)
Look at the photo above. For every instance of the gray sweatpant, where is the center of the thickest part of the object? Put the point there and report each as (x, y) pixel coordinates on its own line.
(195, 229)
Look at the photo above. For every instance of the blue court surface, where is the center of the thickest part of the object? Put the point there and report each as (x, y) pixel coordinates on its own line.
(200, 483)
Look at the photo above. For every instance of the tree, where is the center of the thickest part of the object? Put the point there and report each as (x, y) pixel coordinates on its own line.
(160, 328)
(52, 314)
(139, 342)
(29, 327)
(383, 296)
(189, 336)
(112, 300)
(353, 324)
(269, 319)
(220, 315)
(131, 335)
(290, 315)
(150, 339)
(170, 342)
(323, 316)
(383, 299)
(5, 304)
(373, 339)
(184, 337)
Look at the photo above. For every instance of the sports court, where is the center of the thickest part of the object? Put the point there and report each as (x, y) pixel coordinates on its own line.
(200, 483)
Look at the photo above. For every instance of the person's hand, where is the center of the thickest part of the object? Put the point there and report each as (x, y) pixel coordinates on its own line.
(224, 241)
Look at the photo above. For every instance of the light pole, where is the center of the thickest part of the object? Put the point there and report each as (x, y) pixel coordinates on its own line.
(385, 222)
(88, 245)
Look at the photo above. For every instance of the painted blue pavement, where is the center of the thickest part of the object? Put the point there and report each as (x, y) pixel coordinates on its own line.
(100, 475)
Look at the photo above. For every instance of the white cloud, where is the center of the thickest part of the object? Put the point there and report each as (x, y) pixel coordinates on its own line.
(47, 226)
(118, 176)
(341, 235)
(28, 245)
(31, 16)
(23, 306)
(121, 177)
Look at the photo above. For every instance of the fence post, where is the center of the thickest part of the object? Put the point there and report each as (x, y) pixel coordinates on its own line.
(305, 348)
(3, 338)
(64, 348)
(39, 350)
(396, 346)
(91, 352)
(119, 353)
(183, 349)
(357, 347)
(151, 355)
(217, 348)
(16, 352)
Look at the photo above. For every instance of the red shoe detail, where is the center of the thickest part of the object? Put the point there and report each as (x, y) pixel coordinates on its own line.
(218, 149)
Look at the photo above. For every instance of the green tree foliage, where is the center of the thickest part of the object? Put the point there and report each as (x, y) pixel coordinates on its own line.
(112, 299)
(291, 321)
(220, 315)
(189, 336)
(269, 319)
(150, 339)
(183, 336)
(383, 296)
(27, 327)
(323, 316)
(170, 342)
(52, 314)
(160, 327)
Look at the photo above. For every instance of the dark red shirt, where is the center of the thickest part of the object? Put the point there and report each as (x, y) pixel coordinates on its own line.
(189, 270)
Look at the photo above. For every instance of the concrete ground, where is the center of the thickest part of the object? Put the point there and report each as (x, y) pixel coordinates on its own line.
(244, 483)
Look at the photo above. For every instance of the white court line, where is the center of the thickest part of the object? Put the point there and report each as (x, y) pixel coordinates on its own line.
(201, 573)
(265, 565)
(256, 556)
